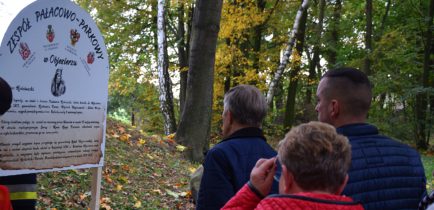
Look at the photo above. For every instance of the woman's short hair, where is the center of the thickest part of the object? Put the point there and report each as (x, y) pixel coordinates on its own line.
(316, 155)
(247, 105)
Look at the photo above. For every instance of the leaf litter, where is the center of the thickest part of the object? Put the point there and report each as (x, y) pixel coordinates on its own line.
(141, 171)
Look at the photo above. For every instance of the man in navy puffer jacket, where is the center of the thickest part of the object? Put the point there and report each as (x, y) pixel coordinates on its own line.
(228, 164)
(385, 174)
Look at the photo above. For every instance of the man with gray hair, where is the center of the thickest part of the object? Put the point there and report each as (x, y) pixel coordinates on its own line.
(228, 164)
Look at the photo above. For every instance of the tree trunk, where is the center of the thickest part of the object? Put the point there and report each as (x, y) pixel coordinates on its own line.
(279, 101)
(378, 36)
(368, 38)
(422, 117)
(182, 54)
(287, 53)
(165, 86)
(383, 21)
(333, 49)
(257, 38)
(316, 51)
(154, 7)
(293, 79)
(194, 127)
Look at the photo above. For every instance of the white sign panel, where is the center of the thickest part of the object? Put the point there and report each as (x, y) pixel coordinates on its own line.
(54, 58)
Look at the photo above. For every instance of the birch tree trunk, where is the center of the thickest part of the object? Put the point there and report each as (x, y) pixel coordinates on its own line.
(293, 78)
(195, 123)
(165, 86)
(286, 54)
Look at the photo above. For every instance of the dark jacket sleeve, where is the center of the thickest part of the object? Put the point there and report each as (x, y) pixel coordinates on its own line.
(216, 186)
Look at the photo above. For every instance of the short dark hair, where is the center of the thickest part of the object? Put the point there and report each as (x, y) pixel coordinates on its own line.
(5, 96)
(247, 105)
(352, 87)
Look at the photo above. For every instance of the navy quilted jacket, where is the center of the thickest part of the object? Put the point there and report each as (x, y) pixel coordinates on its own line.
(228, 165)
(384, 174)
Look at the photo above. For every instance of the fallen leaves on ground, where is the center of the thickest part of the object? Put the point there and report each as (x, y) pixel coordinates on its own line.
(142, 171)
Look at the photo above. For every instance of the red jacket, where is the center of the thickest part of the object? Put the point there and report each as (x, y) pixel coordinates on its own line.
(247, 199)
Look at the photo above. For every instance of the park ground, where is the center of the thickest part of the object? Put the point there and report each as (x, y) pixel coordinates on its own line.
(142, 171)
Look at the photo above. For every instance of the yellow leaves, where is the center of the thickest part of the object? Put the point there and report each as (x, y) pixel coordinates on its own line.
(125, 137)
(239, 17)
(295, 58)
(149, 156)
(138, 204)
(104, 203)
(191, 169)
(183, 69)
(180, 148)
(119, 187)
(141, 142)
(171, 136)
(157, 191)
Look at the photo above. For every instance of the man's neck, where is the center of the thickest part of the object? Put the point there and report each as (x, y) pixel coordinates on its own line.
(354, 120)
(235, 127)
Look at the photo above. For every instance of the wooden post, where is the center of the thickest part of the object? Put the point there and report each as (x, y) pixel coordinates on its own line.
(96, 187)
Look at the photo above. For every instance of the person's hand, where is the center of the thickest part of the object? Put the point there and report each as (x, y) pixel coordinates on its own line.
(262, 175)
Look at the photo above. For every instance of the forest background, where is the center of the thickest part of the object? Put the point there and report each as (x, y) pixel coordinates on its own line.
(163, 87)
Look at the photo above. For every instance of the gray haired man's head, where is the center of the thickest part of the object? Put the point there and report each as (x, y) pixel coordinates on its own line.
(247, 105)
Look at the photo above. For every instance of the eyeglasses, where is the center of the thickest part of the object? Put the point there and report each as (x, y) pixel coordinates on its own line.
(276, 176)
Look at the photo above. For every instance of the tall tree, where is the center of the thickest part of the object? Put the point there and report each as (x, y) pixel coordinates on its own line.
(165, 84)
(430, 67)
(183, 42)
(288, 51)
(368, 38)
(422, 108)
(294, 74)
(316, 51)
(195, 122)
(334, 39)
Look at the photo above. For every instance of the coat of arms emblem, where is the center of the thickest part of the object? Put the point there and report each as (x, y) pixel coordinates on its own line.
(75, 36)
(50, 33)
(24, 50)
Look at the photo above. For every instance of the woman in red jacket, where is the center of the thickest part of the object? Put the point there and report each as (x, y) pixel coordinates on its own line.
(315, 160)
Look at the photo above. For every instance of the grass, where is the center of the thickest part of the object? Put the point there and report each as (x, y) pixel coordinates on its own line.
(141, 171)
(428, 163)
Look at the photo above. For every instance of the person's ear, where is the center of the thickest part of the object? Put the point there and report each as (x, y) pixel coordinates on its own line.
(230, 117)
(341, 188)
(288, 181)
(334, 108)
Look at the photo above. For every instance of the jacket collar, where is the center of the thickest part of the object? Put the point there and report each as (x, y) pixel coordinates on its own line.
(246, 133)
(358, 129)
(318, 198)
